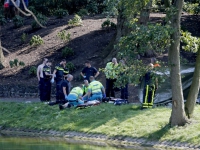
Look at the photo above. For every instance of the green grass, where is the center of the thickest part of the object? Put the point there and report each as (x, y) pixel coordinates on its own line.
(125, 120)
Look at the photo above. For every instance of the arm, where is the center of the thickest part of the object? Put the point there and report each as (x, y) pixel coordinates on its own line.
(38, 73)
(54, 72)
(64, 91)
(82, 74)
(96, 74)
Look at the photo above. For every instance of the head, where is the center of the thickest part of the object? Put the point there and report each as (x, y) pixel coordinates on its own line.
(92, 78)
(69, 77)
(87, 63)
(150, 66)
(114, 60)
(122, 62)
(45, 61)
(63, 62)
(86, 83)
(48, 63)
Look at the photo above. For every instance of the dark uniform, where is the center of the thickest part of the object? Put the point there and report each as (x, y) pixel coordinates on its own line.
(66, 84)
(149, 90)
(59, 79)
(89, 72)
(47, 83)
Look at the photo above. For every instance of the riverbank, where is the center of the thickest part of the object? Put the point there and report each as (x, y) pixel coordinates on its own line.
(125, 124)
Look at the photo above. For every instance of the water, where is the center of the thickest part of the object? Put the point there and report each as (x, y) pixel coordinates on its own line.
(27, 143)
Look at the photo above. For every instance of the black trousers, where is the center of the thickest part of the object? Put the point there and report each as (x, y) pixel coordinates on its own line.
(124, 92)
(47, 89)
(59, 92)
(41, 89)
(110, 92)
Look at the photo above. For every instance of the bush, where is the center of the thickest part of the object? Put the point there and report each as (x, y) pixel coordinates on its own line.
(16, 62)
(32, 71)
(36, 40)
(2, 19)
(23, 37)
(42, 19)
(192, 8)
(76, 21)
(82, 12)
(11, 63)
(60, 13)
(18, 21)
(67, 52)
(108, 23)
(21, 63)
(70, 66)
(92, 7)
(63, 35)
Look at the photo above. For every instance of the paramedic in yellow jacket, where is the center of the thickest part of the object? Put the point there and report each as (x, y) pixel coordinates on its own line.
(74, 98)
(96, 90)
(111, 77)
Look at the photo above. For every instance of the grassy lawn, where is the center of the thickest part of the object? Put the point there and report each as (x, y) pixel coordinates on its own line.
(125, 120)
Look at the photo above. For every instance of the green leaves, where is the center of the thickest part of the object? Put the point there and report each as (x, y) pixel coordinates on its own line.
(190, 42)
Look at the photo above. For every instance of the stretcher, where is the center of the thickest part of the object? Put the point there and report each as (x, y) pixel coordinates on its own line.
(115, 101)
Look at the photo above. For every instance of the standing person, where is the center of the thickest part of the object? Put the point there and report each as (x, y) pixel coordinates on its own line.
(111, 76)
(58, 73)
(47, 81)
(6, 9)
(74, 98)
(150, 86)
(89, 71)
(41, 78)
(96, 90)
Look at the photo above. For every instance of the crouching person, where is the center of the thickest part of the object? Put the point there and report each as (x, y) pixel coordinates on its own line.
(74, 98)
(96, 90)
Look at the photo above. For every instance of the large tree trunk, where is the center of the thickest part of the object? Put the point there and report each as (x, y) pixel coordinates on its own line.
(1, 56)
(178, 114)
(194, 89)
(145, 13)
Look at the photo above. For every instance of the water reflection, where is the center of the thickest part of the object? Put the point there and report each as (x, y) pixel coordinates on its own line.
(27, 143)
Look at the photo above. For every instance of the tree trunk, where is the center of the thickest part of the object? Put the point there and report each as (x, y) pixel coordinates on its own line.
(145, 13)
(194, 89)
(1, 57)
(178, 114)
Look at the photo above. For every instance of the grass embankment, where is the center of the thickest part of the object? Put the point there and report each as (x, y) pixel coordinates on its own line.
(125, 120)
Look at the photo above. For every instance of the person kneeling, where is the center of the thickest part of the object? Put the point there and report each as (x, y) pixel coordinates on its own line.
(74, 98)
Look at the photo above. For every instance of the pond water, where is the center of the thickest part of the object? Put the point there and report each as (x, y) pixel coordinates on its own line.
(27, 143)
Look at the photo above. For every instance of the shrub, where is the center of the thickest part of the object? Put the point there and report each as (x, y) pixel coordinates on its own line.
(1, 66)
(108, 23)
(11, 63)
(92, 7)
(105, 24)
(18, 21)
(70, 66)
(2, 19)
(32, 71)
(76, 21)
(63, 35)
(42, 19)
(36, 40)
(60, 13)
(23, 37)
(192, 8)
(16, 62)
(67, 52)
(21, 63)
(82, 12)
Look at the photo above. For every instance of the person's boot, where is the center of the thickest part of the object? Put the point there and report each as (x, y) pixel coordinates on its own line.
(61, 107)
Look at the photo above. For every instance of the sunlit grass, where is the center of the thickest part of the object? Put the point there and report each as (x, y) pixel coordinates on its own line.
(125, 120)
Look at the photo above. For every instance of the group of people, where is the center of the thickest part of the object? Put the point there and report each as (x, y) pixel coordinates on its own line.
(10, 10)
(91, 89)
